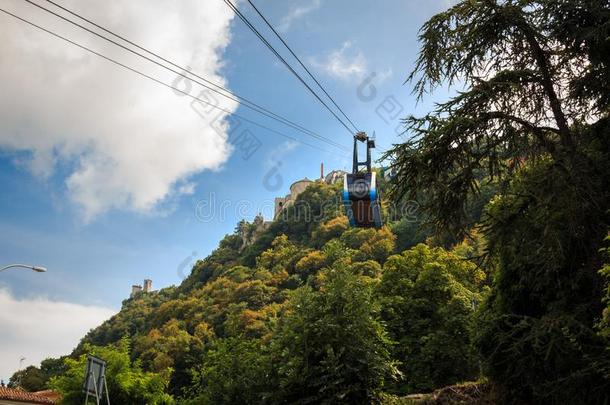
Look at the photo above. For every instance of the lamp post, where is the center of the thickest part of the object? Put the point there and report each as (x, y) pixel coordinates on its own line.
(38, 269)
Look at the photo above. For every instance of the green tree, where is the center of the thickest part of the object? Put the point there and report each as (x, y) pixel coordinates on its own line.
(282, 256)
(380, 245)
(329, 230)
(30, 379)
(521, 99)
(369, 268)
(310, 263)
(335, 251)
(537, 331)
(409, 232)
(127, 383)
(329, 347)
(532, 117)
(232, 372)
(33, 378)
(427, 298)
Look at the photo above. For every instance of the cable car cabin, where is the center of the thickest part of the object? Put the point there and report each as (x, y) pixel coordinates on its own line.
(360, 196)
(361, 200)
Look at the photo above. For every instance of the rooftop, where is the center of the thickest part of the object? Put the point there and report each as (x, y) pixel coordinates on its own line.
(16, 395)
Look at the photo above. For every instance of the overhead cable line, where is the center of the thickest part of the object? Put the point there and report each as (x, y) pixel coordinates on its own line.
(242, 100)
(279, 36)
(158, 81)
(232, 96)
(301, 63)
(275, 52)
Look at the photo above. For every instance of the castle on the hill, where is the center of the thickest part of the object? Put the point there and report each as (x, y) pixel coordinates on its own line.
(299, 186)
(249, 232)
(136, 288)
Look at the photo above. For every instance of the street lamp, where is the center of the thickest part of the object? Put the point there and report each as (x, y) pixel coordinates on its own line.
(38, 269)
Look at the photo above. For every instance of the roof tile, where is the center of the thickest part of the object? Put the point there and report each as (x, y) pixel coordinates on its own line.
(12, 394)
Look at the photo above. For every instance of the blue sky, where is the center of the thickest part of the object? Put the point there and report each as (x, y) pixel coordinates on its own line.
(94, 252)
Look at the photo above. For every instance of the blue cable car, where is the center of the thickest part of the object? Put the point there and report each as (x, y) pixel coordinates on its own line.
(360, 197)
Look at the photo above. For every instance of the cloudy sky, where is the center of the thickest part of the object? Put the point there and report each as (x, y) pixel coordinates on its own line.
(109, 177)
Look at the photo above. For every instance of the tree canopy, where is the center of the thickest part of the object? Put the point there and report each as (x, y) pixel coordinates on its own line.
(530, 115)
(530, 73)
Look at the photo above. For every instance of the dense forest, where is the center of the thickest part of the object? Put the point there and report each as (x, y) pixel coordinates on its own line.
(500, 276)
(310, 310)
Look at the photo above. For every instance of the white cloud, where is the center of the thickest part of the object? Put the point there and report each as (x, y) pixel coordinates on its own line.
(296, 13)
(120, 140)
(38, 328)
(344, 63)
